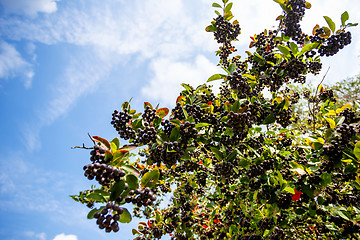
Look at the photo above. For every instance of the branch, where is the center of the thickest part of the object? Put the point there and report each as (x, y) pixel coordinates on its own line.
(83, 147)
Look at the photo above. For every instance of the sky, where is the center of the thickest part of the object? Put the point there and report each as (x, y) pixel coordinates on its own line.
(66, 65)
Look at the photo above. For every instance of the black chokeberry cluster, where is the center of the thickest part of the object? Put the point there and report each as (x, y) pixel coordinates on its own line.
(293, 17)
(169, 153)
(120, 121)
(98, 154)
(167, 126)
(225, 31)
(348, 114)
(282, 116)
(327, 95)
(146, 135)
(314, 67)
(240, 123)
(224, 169)
(240, 84)
(346, 132)
(277, 234)
(284, 200)
(195, 111)
(108, 217)
(141, 197)
(187, 131)
(266, 223)
(103, 173)
(295, 69)
(334, 43)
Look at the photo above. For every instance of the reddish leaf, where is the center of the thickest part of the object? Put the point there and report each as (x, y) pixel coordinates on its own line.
(252, 38)
(180, 99)
(101, 140)
(297, 195)
(209, 103)
(162, 112)
(128, 148)
(216, 220)
(204, 226)
(148, 104)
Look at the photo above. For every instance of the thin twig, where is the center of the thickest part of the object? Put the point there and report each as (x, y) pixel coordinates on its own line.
(83, 147)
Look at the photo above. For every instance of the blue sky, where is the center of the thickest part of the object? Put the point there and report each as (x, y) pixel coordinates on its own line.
(66, 65)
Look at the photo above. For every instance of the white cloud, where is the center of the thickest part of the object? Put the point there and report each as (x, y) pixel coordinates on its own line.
(30, 8)
(62, 236)
(39, 236)
(168, 75)
(170, 39)
(12, 64)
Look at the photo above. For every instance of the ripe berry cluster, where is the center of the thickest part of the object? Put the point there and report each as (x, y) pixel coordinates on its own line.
(334, 43)
(108, 217)
(146, 135)
(120, 121)
(103, 173)
(225, 31)
(141, 197)
(293, 17)
(240, 84)
(348, 114)
(314, 67)
(98, 154)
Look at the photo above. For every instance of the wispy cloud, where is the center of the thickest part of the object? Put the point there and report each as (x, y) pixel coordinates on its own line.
(62, 236)
(165, 86)
(30, 8)
(171, 39)
(12, 64)
(39, 236)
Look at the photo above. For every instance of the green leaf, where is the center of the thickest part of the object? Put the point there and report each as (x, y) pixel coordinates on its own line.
(341, 214)
(231, 156)
(269, 119)
(132, 181)
(228, 7)
(117, 189)
(91, 213)
(216, 77)
(344, 18)
(200, 125)
(294, 48)
(211, 28)
(309, 47)
(131, 169)
(236, 106)
(125, 217)
(290, 190)
(175, 134)
(330, 23)
(187, 87)
(357, 150)
(280, 1)
(251, 77)
(96, 197)
(217, 153)
(232, 68)
(326, 179)
(216, 5)
(114, 144)
(150, 178)
(285, 50)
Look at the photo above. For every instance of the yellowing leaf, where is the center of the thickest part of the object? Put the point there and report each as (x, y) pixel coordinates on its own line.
(331, 113)
(308, 141)
(321, 140)
(331, 122)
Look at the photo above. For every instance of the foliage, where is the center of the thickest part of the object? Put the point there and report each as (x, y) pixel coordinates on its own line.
(238, 165)
(348, 90)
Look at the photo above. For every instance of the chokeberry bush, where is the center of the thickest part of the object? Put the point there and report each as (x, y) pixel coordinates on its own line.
(240, 164)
